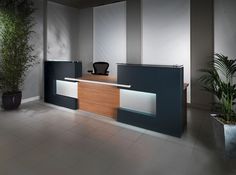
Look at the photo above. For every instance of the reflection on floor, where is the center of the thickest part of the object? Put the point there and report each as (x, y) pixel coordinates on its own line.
(41, 140)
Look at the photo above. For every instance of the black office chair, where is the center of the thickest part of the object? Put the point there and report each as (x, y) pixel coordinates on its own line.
(100, 68)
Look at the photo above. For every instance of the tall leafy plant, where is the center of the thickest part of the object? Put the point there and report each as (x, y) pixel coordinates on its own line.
(218, 80)
(16, 51)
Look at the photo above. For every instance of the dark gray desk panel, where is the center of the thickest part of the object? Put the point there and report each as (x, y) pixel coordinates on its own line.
(58, 70)
(167, 83)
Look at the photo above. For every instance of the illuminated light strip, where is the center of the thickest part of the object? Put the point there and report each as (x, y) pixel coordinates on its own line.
(98, 82)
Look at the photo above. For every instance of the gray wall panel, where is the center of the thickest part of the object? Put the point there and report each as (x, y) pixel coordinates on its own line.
(62, 32)
(32, 84)
(225, 24)
(85, 48)
(134, 32)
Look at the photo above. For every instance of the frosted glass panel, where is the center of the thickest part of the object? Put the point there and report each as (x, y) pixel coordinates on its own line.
(66, 88)
(138, 101)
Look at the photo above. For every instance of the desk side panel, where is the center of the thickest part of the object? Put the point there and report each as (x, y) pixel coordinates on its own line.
(167, 84)
(57, 70)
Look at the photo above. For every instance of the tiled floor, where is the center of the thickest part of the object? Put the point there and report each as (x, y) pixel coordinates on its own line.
(41, 140)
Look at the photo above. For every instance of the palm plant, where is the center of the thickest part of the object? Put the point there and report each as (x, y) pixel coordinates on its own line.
(218, 80)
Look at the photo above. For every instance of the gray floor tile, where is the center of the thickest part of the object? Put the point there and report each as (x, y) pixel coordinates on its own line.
(208, 162)
(38, 139)
(91, 165)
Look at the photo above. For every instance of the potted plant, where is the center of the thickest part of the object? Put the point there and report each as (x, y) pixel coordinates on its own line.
(218, 79)
(16, 52)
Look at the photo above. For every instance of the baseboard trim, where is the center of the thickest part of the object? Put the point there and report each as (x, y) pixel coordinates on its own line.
(31, 99)
(59, 107)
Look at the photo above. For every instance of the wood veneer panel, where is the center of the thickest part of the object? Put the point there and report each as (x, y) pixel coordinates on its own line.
(100, 99)
(98, 109)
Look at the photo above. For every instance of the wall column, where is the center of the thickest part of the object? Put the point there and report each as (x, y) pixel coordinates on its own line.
(134, 31)
(202, 47)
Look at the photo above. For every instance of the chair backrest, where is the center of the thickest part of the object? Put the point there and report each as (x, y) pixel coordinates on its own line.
(100, 68)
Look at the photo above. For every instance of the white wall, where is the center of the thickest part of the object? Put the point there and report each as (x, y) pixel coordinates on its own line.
(62, 32)
(225, 24)
(110, 34)
(166, 34)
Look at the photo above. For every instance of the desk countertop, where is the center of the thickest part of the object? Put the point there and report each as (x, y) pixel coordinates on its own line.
(102, 79)
(152, 65)
(99, 79)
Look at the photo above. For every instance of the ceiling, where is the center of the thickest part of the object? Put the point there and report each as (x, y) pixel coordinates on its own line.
(85, 3)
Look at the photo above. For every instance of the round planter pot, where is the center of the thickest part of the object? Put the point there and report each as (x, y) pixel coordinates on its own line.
(11, 100)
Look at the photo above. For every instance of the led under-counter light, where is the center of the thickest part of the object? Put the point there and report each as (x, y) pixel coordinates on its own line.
(138, 101)
(98, 82)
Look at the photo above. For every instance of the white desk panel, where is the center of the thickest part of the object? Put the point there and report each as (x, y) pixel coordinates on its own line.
(138, 101)
(66, 88)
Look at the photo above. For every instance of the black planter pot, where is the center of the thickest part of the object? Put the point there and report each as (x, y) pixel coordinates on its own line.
(11, 100)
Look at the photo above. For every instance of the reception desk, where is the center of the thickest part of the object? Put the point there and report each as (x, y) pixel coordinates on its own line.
(147, 96)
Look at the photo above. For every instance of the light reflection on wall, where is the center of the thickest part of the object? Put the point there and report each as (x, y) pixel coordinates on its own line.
(62, 32)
